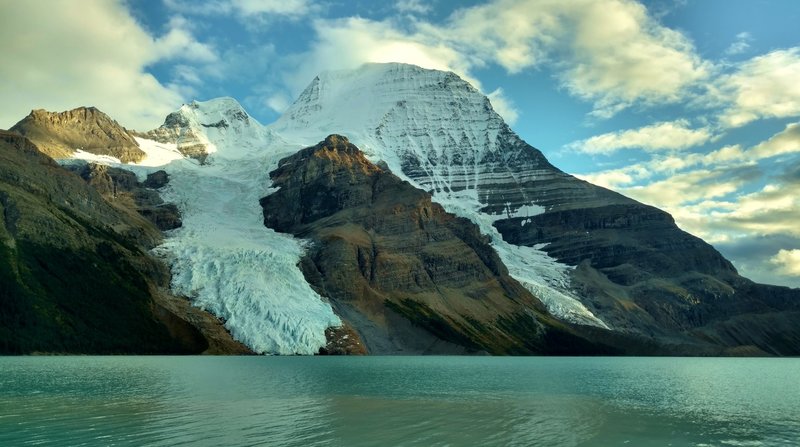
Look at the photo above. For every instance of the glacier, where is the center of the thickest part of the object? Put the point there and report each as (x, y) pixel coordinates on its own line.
(223, 258)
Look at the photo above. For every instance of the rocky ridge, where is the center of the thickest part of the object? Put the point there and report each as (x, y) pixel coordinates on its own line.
(87, 129)
(123, 189)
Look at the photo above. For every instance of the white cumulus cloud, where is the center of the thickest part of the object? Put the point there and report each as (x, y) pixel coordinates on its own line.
(611, 52)
(764, 87)
(244, 9)
(94, 53)
(787, 262)
(785, 142)
(671, 135)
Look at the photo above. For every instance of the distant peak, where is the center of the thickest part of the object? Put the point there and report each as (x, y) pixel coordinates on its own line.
(221, 103)
(336, 140)
(85, 111)
(59, 134)
(217, 112)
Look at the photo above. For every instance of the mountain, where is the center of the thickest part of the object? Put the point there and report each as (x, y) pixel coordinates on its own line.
(438, 230)
(409, 276)
(610, 261)
(75, 275)
(84, 129)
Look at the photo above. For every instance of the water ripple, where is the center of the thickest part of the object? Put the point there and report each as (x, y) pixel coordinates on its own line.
(399, 401)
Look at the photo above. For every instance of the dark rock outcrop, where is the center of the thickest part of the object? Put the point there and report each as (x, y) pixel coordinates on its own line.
(408, 276)
(636, 269)
(59, 135)
(122, 189)
(75, 275)
(156, 180)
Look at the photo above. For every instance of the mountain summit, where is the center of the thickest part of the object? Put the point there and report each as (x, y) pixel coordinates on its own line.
(60, 135)
(198, 128)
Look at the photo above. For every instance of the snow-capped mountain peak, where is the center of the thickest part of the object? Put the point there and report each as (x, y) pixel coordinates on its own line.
(220, 112)
(435, 130)
(218, 126)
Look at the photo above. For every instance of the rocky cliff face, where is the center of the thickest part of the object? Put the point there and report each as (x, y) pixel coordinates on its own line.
(122, 189)
(59, 135)
(407, 275)
(74, 272)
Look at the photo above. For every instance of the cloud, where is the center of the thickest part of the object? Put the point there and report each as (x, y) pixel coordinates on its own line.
(763, 87)
(618, 178)
(740, 45)
(348, 43)
(245, 9)
(784, 142)
(95, 54)
(179, 43)
(503, 106)
(701, 184)
(673, 135)
(787, 262)
(278, 102)
(621, 56)
(412, 6)
(610, 52)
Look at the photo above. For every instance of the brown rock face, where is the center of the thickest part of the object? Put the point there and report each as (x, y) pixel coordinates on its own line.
(408, 276)
(59, 135)
(122, 189)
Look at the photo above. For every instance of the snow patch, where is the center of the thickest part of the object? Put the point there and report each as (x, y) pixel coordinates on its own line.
(95, 158)
(157, 154)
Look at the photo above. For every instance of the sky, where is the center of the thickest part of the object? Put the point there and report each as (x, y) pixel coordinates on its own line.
(692, 106)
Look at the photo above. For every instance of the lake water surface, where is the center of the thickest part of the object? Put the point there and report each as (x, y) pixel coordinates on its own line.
(399, 401)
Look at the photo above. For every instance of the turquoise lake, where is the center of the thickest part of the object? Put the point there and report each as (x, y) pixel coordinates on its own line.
(399, 401)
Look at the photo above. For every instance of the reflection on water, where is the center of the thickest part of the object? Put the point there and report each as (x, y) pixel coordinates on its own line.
(403, 401)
